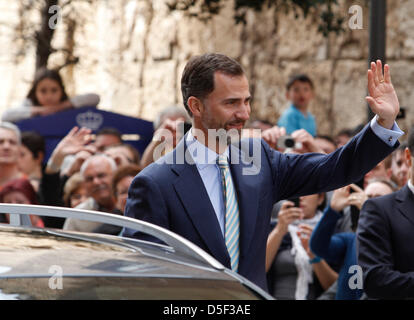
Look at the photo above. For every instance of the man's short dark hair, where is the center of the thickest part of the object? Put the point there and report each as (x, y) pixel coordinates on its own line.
(198, 76)
(110, 131)
(34, 142)
(300, 78)
(345, 132)
(410, 141)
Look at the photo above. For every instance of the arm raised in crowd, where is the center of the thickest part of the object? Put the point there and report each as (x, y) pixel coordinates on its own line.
(74, 142)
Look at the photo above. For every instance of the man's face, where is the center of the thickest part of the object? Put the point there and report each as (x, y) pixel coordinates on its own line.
(309, 204)
(342, 140)
(325, 145)
(9, 147)
(399, 168)
(228, 106)
(105, 140)
(300, 94)
(98, 177)
(377, 189)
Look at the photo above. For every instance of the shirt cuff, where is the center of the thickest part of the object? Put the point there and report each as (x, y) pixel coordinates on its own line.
(389, 136)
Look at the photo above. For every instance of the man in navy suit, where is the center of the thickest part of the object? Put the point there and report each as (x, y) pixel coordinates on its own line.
(185, 191)
(385, 240)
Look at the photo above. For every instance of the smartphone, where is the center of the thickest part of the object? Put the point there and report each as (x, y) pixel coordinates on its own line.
(296, 201)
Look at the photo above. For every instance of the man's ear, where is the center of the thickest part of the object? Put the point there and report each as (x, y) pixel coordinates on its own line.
(195, 106)
(287, 95)
(389, 173)
(40, 156)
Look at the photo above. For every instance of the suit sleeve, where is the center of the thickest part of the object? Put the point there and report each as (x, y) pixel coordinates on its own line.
(375, 256)
(323, 242)
(145, 202)
(296, 175)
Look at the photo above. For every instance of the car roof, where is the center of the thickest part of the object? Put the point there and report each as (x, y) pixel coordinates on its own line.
(31, 252)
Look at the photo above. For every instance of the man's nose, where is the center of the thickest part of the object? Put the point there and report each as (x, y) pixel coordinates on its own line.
(244, 113)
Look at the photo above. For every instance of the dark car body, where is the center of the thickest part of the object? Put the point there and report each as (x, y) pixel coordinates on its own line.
(57, 264)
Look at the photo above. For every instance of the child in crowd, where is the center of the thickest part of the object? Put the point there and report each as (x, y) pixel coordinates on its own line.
(47, 96)
(299, 93)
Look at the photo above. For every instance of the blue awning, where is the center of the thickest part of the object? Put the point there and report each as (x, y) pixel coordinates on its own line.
(54, 127)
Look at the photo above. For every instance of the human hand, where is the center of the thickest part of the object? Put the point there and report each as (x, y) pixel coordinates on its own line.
(44, 110)
(358, 197)
(80, 158)
(169, 131)
(304, 233)
(287, 214)
(340, 198)
(382, 98)
(306, 140)
(75, 141)
(272, 134)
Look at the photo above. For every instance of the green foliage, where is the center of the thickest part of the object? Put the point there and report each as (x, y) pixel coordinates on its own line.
(329, 20)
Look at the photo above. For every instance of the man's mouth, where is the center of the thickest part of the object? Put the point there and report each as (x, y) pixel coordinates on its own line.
(238, 125)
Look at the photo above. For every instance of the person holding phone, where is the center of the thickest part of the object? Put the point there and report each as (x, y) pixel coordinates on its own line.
(294, 272)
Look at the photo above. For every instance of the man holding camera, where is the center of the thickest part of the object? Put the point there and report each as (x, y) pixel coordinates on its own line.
(221, 200)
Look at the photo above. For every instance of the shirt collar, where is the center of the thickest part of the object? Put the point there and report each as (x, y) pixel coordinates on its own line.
(201, 155)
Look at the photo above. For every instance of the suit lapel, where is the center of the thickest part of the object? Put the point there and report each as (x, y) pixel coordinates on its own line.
(405, 203)
(190, 189)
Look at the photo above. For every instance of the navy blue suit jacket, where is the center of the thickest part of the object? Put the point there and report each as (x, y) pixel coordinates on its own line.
(385, 245)
(173, 195)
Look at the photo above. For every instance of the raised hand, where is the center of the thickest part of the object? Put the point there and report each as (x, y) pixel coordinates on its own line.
(287, 214)
(382, 98)
(272, 134)
(74, 141)
(358, 197)
(340, 198)
(306, 140)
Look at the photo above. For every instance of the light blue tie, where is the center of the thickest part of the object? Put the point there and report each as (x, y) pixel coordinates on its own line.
(232, 227)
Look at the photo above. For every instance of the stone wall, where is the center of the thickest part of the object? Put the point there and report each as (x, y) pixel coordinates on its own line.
(132, 53)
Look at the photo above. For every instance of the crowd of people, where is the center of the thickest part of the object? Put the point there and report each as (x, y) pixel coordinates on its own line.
(295, 226)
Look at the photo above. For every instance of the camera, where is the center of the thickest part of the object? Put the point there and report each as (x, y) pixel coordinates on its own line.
(286, 142)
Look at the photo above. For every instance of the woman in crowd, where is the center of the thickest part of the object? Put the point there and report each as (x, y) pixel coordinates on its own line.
(121, 181)
(20, 191)
(341, 247)
(47, 96)
(32, 152)
(293, 271)
(74, 192)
